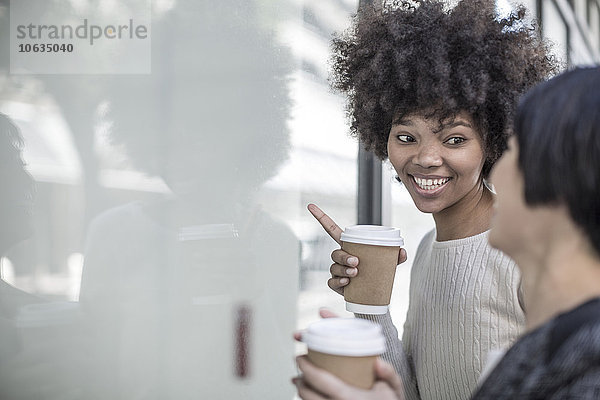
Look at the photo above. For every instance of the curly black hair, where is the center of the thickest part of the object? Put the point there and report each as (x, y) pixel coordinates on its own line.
(418, 57)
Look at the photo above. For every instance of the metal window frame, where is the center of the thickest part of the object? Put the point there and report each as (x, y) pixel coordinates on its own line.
(369, 209)
(369, 196)
(574, 24)
(560, 8)
(589, 6)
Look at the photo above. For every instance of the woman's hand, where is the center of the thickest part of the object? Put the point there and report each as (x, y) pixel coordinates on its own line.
(316, 383)
(345, 266)
(324, 313)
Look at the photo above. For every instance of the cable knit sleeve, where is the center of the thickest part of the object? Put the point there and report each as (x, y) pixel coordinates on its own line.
(395, 354)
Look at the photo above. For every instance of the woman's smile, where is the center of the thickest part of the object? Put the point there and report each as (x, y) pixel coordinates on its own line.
(429, 186)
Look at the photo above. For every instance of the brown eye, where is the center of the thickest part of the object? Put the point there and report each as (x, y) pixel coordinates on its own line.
(406, 138)
(455, 140)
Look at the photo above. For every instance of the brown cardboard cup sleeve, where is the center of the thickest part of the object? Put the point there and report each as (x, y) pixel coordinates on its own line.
(377, 248)
(345, 347)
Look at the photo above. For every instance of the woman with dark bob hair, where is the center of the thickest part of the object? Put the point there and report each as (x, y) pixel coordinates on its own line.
(547, 219)
(434, 90)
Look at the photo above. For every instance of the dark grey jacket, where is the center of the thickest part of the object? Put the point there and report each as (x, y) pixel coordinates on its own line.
(559, 360)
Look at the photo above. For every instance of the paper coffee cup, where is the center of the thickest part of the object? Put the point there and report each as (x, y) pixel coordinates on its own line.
(377, 248)
(346, 347)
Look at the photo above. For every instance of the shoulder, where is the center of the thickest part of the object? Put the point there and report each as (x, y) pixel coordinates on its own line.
(576, 332)
(575, 362)
(573, 352)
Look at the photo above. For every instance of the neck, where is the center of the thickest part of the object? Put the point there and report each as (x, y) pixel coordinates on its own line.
(559, 276)
(468, 217)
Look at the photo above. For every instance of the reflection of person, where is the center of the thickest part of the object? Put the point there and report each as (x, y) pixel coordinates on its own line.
(17, 188)
(16, 215)
(548, 219)
(41, 346)
(434, 91)
(19, 363)
(187, 290)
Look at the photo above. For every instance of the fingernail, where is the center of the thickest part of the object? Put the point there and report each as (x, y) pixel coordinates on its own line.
(343, 281)
(350, 271)
(352, 261)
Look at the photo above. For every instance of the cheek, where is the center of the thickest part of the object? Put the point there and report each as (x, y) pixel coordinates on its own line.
(510, 218)
(397, 157)
(470, 166)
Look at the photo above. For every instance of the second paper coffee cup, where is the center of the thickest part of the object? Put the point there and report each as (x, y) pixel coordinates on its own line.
(377, 248)
(346, 347)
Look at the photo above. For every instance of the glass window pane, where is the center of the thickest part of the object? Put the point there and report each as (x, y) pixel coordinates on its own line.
(155, 237)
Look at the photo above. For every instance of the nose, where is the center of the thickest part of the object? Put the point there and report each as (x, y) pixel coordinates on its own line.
(428, 156)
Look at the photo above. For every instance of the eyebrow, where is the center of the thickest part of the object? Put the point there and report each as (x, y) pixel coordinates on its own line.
(402, 121)
(409, 122)
(457, 123)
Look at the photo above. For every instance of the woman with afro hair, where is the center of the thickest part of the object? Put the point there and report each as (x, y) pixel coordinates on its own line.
(434, 90)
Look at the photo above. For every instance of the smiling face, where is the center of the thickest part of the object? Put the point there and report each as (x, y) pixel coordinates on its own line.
(440, 166)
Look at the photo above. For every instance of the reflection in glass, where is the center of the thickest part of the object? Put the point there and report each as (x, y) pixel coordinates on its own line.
(188, 286)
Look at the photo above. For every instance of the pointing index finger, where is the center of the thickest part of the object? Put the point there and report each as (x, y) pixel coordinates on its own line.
(327, 223)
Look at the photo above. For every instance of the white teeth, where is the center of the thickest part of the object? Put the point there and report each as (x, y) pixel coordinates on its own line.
(430, 184)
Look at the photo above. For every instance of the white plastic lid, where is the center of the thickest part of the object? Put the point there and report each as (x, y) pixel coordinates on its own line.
(345, 337)
(373, 234)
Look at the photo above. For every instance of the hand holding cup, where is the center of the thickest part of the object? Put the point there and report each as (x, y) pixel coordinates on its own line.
(345, 266)
(318, 384)
(379, 248)
(343, 363)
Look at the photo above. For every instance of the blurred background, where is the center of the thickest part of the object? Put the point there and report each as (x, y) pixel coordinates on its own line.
(157, 240)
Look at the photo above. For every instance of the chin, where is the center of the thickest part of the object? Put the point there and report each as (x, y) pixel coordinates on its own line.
(428, 208)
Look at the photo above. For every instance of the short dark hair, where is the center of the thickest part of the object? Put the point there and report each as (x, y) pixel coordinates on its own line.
(557, 126)
(415, 57)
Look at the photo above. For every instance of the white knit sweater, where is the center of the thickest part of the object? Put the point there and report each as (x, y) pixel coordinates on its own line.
(463, 303)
